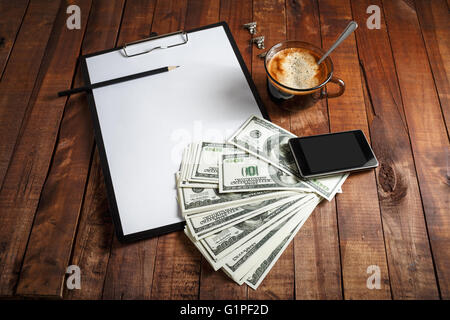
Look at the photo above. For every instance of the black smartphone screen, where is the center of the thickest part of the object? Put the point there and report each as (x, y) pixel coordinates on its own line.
(332, 153)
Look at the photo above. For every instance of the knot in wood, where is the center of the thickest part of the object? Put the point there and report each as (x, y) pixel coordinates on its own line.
(391, 183)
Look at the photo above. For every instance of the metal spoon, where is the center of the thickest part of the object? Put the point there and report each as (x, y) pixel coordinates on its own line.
(348, 30)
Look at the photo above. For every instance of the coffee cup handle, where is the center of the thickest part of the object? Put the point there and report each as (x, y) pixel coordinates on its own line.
(341, 85)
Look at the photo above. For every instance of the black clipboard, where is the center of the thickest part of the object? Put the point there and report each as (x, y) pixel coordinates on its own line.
(113, 207)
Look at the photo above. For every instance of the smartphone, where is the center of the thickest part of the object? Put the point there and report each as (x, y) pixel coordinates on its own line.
(332, 153)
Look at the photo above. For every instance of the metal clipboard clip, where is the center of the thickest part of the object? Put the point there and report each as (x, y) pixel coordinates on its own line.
(180, 38)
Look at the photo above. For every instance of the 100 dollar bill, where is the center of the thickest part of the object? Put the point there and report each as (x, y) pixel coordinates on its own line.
(206, 162)
(259, 271)
(257, 249)
(195, 200)
(213, 260)
(222, 243)
(269, 142)
(244, 172)
(206, 224)
(241, 261)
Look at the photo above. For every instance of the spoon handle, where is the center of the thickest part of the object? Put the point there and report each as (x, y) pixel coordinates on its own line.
(349, 29)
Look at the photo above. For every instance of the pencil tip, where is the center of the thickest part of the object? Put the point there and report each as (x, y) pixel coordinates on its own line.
(172, 67)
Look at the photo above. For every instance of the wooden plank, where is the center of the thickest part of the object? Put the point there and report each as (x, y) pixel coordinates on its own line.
(236, 14)
(123, 272)
(94, 238)
(20, 74)
(200, 12)
(216, 285)
(177, 263)
(137, 21)
(427, 130)
(409, 257)
(271, 18)
(169, 16)
(12, 16)
(434, 21)
(29, 165)
(50, 245)
(95, 232)
(177, 268)
(130, 270)
(317, 256)
(316, 246)
(360, 227)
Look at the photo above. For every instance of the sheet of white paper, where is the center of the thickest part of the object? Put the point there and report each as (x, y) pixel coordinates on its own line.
(146, 123)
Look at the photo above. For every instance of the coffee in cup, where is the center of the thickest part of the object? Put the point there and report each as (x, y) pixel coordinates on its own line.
(295, 79)
(297, 68)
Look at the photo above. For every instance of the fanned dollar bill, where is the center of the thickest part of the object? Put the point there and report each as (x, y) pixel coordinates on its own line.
(212, 258)
(206, 224)
(206, 162)
(259, 271)
(252, 254)
(186, 163)
(269, 142)
(195, 200)
(188, 184)
(222, 243)
(254, 250)
(244, 172)
(243, 200)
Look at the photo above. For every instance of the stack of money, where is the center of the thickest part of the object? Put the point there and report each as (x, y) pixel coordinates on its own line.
(244, 201)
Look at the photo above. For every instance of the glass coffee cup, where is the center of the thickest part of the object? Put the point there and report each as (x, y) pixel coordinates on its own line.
(282, 83)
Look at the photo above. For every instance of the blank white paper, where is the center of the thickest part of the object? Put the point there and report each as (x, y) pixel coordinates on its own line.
(146, 123)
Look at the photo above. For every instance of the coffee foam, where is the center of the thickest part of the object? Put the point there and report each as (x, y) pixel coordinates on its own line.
(296, 68)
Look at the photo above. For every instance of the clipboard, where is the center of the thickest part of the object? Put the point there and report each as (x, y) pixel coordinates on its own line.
(141, 126)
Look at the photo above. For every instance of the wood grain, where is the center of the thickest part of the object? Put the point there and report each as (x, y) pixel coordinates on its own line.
(434, 18)
(427, 130)
(136, 21)
(52, 192)
(20, 74)
(218, 286)
(410, 262)
(360, 228)
(169, 16)
(130, 270)
(271, 18)
(95, 232)
(50, 245)
(29, 165)
(177, 268)
(236, 14)
(200, 13)
(9, 26)
(94, 237)
(316, 246)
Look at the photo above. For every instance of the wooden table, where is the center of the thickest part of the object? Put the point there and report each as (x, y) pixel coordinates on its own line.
(53, 210)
